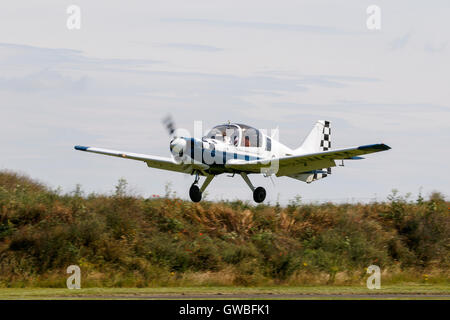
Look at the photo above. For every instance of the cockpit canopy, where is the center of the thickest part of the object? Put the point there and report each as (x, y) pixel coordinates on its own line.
(239, 135)
(228, 133)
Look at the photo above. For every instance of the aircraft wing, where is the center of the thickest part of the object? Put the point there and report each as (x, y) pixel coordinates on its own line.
(152, 161)
(306, 162)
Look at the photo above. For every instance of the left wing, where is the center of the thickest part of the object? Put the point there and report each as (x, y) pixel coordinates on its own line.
(152, 161)
(306, 162)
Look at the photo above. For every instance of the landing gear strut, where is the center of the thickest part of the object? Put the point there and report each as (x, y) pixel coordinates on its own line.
(259, 194)
(195, 193)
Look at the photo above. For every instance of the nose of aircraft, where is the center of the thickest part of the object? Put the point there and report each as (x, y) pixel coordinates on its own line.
(178, 146)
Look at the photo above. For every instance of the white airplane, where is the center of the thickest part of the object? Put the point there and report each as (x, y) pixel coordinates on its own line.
(238, 148)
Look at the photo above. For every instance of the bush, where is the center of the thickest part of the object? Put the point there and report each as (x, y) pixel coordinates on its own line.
(124, 240)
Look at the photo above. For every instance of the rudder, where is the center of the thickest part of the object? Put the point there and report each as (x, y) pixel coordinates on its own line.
(318, 140)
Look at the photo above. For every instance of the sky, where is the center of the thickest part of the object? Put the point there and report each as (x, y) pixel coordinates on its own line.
(268, 64)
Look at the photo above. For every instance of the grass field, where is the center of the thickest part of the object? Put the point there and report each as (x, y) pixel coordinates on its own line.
(412, 291)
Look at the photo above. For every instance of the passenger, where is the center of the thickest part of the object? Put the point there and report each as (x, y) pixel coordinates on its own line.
(226, 138)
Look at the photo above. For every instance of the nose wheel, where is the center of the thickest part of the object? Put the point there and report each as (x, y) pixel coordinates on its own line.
(195, 193)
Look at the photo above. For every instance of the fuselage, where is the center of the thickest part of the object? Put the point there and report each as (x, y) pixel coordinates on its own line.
(226, 143)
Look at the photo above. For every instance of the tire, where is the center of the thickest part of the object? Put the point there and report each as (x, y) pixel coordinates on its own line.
(195, 194)
(259, 194)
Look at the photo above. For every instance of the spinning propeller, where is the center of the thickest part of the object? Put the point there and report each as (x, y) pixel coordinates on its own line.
(177, 144)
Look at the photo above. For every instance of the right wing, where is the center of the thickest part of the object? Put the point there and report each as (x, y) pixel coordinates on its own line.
(152, 161)
(306, 162)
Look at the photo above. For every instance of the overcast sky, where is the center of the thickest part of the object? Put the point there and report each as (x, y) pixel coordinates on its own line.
(264, 63)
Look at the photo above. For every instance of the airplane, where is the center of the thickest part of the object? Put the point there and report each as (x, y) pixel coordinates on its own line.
(237, 148)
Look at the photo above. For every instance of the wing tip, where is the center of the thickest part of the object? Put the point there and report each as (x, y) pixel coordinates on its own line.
(81, 148)
(377, 147)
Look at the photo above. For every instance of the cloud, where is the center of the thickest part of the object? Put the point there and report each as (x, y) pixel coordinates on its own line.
(26, 55)
(31, 69)
(67, 70)
(45, 81)
(191, 47)
(316, 29)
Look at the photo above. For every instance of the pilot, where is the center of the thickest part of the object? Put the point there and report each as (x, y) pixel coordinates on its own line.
(247, 141)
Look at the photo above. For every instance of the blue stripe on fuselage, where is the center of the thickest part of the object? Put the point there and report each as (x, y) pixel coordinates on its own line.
(225, 155)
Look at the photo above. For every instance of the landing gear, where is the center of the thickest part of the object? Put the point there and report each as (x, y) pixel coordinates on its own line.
(259, 194)
(195, 193)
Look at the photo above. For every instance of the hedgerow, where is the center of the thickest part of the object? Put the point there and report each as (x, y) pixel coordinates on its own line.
(126, 240)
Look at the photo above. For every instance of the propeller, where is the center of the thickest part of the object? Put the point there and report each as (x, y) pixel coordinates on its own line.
(170, 125)
(177, 144)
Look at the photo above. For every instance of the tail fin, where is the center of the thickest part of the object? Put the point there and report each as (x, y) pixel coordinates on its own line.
(318, 140)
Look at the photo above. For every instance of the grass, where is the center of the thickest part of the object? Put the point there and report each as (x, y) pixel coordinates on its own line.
(228, 292)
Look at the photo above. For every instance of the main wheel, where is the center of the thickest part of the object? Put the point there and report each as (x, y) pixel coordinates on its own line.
(259, 194)
(195, 194)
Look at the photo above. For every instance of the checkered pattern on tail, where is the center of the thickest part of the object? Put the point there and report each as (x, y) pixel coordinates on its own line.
(325, 145)
(325, 142)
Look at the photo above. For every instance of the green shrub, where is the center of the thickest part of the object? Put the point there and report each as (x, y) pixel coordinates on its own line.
(124, 240)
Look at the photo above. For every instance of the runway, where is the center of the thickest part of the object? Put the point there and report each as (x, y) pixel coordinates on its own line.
(263, 296)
